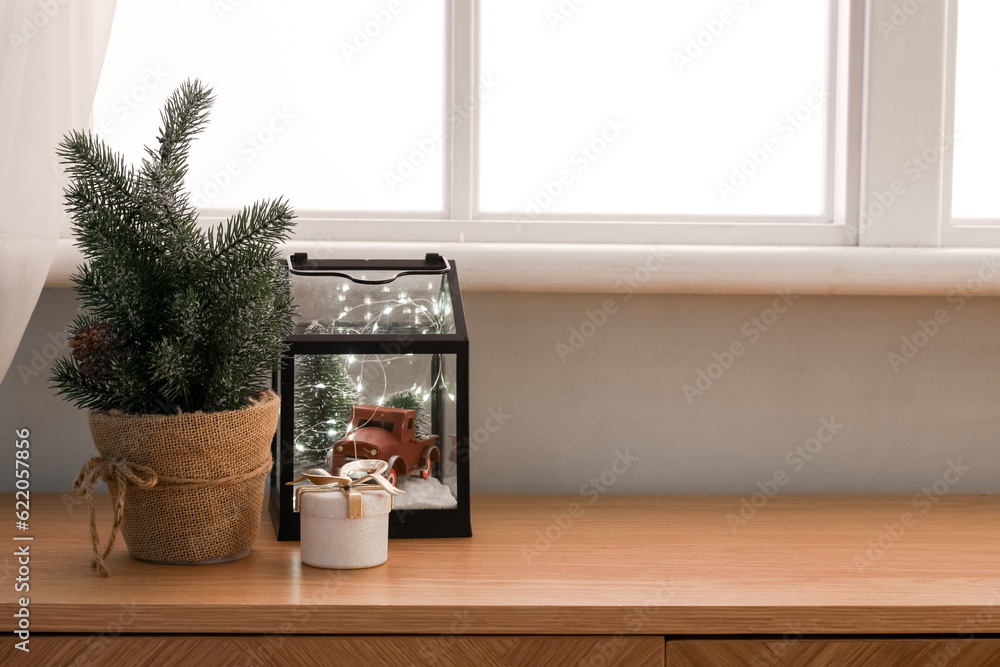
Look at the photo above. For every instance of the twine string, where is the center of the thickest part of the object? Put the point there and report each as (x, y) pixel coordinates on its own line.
(118, 473)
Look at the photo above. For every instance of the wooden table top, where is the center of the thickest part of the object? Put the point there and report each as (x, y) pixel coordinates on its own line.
(636, 564)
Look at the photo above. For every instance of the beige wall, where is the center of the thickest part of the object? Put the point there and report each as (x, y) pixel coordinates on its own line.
(813, 401)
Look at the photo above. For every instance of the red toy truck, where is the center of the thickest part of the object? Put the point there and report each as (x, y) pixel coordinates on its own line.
(388, 434)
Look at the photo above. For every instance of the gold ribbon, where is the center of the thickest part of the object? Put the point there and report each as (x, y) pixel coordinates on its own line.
(354, 478)
(118, 473)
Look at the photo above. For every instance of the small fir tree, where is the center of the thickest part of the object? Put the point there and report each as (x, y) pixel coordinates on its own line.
(408, 400)
(324, 396)
(173, 317)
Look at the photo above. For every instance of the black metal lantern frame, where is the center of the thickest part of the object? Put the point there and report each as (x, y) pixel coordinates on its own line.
(450, 346)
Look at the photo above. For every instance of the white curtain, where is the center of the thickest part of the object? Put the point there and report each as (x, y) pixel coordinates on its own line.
(51, 54)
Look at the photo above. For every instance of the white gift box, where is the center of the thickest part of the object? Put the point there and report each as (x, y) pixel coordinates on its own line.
(332, 538)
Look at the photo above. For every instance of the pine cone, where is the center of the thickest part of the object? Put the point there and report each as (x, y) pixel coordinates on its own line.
(95, 346)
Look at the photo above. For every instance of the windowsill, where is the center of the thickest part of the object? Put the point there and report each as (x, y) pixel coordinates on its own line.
(679, 269)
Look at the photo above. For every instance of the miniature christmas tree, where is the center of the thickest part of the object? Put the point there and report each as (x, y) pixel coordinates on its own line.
(323, 399)
(408, 400)
(174, 317)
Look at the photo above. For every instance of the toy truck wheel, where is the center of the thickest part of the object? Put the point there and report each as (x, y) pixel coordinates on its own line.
(391, 476)
(430, 455)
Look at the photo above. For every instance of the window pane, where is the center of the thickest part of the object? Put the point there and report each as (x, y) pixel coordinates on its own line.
(646, 106)
(336, 105)
(977, 105)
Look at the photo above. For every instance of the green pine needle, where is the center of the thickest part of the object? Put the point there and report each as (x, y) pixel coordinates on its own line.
(205, 315)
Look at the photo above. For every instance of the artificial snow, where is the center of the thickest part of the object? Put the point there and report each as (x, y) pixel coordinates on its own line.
(423, 494)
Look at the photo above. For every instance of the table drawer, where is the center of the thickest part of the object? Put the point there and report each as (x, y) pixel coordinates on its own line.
(375, 651)
(839, 653)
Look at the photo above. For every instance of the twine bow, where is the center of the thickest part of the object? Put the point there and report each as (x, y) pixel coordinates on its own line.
(118, 473)
(354, 478)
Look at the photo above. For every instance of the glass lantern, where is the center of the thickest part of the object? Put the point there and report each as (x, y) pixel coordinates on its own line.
(377, 368)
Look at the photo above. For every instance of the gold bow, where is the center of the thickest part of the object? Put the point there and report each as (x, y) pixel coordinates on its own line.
(354, 478)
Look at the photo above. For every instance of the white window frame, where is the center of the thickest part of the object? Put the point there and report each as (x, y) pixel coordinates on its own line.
(892, 97)
(461, 218)
(961, 232)
(911, 106)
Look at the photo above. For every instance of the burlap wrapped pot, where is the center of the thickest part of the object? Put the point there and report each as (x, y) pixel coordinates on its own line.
(187, 488)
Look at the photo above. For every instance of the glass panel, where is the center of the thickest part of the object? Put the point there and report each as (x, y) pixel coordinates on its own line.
(414, 304)
(977, 103)
(397, 408)
(335, 105)
(646, 106)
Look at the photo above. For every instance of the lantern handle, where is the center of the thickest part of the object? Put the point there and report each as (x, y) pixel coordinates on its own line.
(301, 258)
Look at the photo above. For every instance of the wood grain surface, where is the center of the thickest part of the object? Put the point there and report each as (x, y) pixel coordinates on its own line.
(556, 565)
(245, 651)
(962, 652)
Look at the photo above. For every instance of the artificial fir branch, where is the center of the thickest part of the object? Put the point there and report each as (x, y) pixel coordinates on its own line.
(324, 396)
(95, 167)
(258, 226)
(172, 318)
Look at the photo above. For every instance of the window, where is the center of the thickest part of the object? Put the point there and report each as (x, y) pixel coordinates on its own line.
(387, 426)
(335, 105)
(976, 171)
(652, 107)
(585, 130)
(510, 111)
(930, 89)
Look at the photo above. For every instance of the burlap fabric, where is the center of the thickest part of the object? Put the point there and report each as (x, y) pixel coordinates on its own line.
(187, 488)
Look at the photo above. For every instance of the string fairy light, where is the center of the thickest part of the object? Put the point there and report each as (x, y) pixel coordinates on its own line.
(382, 310)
